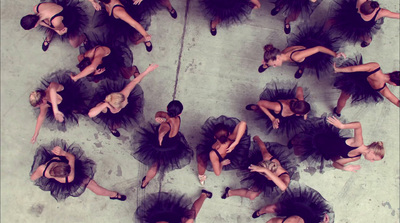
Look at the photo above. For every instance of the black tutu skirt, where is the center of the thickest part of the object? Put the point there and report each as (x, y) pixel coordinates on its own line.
(174, 153)
(75, 97)
(118, 63)
(168, 207)
(290, 125)
(305, 202)
(75, 18)
(357, 85)
(133, 111)
(260, 182)
(302, 7)
(238, 156)
(85, 169)
(118, 29)
(348, 24)
(229, 11)
(312, 36)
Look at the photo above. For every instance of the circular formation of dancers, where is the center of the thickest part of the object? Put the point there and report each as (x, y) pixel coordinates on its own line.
(107, 90)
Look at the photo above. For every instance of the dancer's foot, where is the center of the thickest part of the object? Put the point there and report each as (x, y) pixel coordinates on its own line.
(213, 31)
(202, 179)
(46, 44)
(261, 68)
(286, 28)
(119, 197)
(173, 13)
(144, 186)
(149, 45)
(251, 107)
(226, 194)
(207, 193)
(335, 112)
(256, 214)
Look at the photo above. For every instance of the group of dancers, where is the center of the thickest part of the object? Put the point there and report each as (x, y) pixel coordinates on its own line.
(106, 89)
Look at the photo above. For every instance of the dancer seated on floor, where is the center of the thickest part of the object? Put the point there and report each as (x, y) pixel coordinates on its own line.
(273, 57)
(364, 82)
(65, 171)
(285, 108)
(326, 142)
(163, 148)
(271, 166)
(170, 207)
(225, 145)
(67, 18)
(358, 20)
(117, 108)
(227, 11)
(151, 6)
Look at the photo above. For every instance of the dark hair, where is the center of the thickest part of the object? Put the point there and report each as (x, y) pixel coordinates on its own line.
(86, 62)
(221, 132)
(368, 7)
(29, 21)
(60, 169)
(270, 52)
(105, 1)
(299, 107)
(174, 108)
(395, 77)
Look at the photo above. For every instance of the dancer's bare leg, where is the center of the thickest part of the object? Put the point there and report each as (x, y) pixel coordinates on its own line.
(342, 101)
(98, 190)
(151, 173)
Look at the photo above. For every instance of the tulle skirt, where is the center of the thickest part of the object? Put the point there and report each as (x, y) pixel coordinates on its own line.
(75, 18)
(305, 202)
(164, 206)
(260, 182)
(312, 36)
(75, 97)
(133, 111)
(229, 11)
(357, 85)
(238, 156)
(348, 24)
(85, 169)
(290, 7)
(174, 153)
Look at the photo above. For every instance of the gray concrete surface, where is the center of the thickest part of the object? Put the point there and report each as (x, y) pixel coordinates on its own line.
(211, 76)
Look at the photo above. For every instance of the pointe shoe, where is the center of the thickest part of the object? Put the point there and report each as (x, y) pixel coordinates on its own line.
(226, 194)
(261, 68)
(207, 193)
(250, 107)
(335, 113)
(275, 11)
(173, 13)
(299, 73)
(365, 44)
(213, 31)
(202, 179)
(119, 197)
(115, 132)
(141, 185)
(256, 214)
(148, 48)
(45, 44)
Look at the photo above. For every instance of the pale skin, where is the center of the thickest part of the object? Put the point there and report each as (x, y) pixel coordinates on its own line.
(281, 182)
(294, 219)
(267, 106)
(55, 99)
(165, 3)
(96, 56)
(376, 80)
(92, 185)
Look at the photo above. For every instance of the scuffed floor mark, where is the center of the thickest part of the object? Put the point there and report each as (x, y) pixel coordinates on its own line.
(98, 145)
(36, 209)
(109, 172)
(96, 136)
(310, 170)
(119, 171)
(296, 176)
(387, 204)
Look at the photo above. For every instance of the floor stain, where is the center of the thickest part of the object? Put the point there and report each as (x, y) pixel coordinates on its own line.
(36, 209)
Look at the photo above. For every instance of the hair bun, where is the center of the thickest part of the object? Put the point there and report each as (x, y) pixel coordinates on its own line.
(269, 47)
(374, 4)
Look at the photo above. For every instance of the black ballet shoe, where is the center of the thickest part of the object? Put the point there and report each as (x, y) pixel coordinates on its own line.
(226, 194)
(208, 193)
(44, 46)
(299, 73)
(286, 29)
(275, 11)
(115, 132)
(136, 71)
(249, 107)
(261, 68)
(364, 44)
(256, 214)
(119, 197)
(141, 185)
(213, 31)
(148, 48)
(173, 13)
(335, 113)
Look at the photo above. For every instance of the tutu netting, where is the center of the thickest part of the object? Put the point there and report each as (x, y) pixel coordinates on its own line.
(260, 182)
(348, 24)
(75, 96)
(305, 202)
(357, 85)
(118, 29)
(132, 111)
(85, 169)
(229, 11)
(174, 153)
(118, 63)
(290, 125)
(75, 18)
(238, 156)
(312, 36)
(302, 7)
(168, 207)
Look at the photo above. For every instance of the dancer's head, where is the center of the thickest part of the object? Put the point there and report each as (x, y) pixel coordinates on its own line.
(221, 132)
(115, 100)
(105, 1)
(299, 107)
(368, 7)
(60, 169)
(395, 78)
(272, 56)
(86, 62)
(174, 108)
(376, 151)
(29, 21)
(36, 97)
(272, 166)
(294, 219)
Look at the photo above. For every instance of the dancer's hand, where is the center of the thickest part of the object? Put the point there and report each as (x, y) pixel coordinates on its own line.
(137, 2)
(73, 77)
(225, 162)
(152, 67)
(96, 6)
(59, 116)
(255, 168)
(335, 68)
(352, 168)
(231, 147)
(340, 54)
(33, 140)
(335, 122)
(275, 123)
(57, 151)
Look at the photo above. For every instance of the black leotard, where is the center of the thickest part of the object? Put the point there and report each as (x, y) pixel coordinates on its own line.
(54, 16)
(372, 72)
(372, 21)
(61, 160)
(291, 54)
(170, 141)
(112, 10)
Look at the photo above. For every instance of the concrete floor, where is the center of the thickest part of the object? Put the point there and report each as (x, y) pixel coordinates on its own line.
(212, 76)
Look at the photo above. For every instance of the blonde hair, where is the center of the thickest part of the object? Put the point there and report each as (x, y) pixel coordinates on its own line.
(36, 97)
(272, 166)
(378, 148)
(115, 99)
